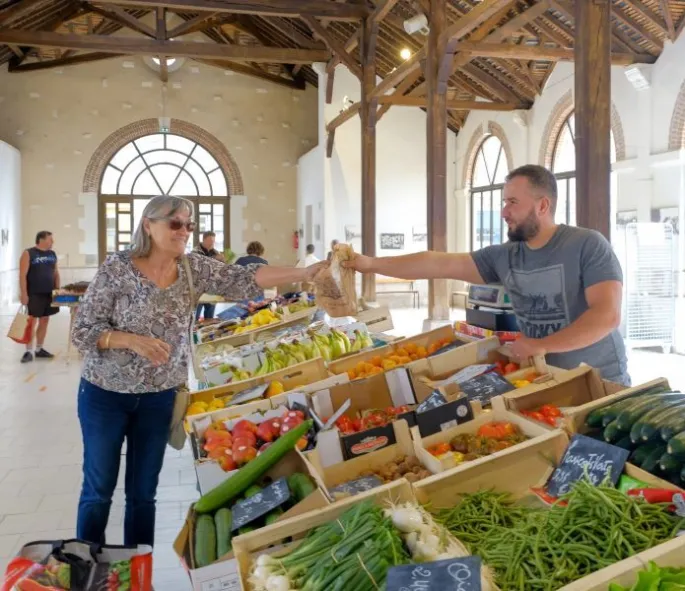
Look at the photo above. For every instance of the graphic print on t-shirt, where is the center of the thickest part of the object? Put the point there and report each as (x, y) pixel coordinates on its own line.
(539, 300)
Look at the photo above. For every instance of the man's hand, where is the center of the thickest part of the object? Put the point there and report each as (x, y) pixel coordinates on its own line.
(525, 347)
(154, 350)
(359, 263)
(24, 299)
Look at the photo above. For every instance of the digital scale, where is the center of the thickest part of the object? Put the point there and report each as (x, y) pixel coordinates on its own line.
(489, 306)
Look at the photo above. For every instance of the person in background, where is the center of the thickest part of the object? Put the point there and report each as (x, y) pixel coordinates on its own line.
(38, 276)
(565, 283)
(206, 247)
(132, 328)
(334, 243)
(255, 250)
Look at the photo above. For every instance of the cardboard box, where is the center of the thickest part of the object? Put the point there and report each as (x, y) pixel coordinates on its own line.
(377, 319)
(499, 413)
(291, 377)
(307, 390)
(504, 336)
(223, 574)
(331, 476)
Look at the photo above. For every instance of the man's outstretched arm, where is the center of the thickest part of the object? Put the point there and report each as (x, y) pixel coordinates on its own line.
(422, 265)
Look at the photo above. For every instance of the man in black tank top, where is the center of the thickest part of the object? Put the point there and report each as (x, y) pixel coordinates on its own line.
(38, 276)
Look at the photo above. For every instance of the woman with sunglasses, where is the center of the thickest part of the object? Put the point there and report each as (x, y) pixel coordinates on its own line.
(133, 329)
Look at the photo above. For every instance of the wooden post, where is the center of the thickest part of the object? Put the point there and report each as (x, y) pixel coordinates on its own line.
(593, 114)
(368, 120)
(438, 296)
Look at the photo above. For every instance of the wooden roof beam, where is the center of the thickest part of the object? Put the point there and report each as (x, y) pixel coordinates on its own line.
(455, 105)
(651, 17)
(345, 115)
(619, 15)
(135, 46)
(320, 8)
(289, 31)
(84, 58)
(296, 84)
(193, 25)
(123, 18)
(537, 53)
(336, 47)
(668, 19)
(16, 10)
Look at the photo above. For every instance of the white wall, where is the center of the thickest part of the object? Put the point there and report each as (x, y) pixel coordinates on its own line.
(10, 221)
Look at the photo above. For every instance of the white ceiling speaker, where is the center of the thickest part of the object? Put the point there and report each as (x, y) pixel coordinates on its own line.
(417, 24)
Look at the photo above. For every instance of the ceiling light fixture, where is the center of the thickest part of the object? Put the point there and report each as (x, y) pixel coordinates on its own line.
(405, 54)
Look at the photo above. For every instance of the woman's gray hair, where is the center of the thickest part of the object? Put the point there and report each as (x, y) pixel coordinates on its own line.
(161, 207)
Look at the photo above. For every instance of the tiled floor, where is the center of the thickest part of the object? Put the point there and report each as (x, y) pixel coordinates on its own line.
(40, 449)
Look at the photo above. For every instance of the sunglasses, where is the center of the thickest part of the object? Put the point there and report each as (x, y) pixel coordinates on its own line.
(176, 225)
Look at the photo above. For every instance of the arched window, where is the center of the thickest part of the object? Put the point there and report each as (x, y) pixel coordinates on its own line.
(161, 164)
(564, 168)
(489, 171)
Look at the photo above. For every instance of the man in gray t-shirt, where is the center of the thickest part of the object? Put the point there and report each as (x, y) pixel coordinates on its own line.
(565, 283)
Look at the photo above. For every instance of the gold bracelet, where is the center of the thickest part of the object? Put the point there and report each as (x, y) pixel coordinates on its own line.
(107, 339)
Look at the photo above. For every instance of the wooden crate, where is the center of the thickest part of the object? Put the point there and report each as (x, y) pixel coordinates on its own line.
(249, 545)
(291, 377)
(498, 413)
(377, 319)
(668, 554)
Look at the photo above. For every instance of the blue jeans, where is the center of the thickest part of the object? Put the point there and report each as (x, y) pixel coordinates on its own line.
(106, 419)
(209, 311)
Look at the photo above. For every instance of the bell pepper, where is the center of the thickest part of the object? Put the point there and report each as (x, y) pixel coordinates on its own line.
(289, 423)
(265, 433)
(244, 426)
(242, 454)
(248, 439)
(227, 463)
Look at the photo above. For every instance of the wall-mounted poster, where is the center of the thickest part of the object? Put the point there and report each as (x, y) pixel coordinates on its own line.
(419, 233)
(668, 215)
(623, 218)
(392, 241)
(352, 233)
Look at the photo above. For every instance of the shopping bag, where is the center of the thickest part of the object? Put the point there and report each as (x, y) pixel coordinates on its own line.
(76, 565)
(21, 329)
(334, 287)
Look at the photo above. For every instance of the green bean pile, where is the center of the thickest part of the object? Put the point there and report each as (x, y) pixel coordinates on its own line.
(545, 549)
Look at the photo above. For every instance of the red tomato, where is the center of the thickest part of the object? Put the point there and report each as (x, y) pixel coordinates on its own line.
(244, 425)
(401, 409)
(510, 368)
(290, 423)
(302, 443)
(537, 416)
(264, 432)
(227, 463)
(247, 439)
(549, 410)
(217, 452)
(357, 425)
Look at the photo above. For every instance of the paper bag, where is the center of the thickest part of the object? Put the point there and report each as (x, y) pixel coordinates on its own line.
(334, 287)
(21, 329)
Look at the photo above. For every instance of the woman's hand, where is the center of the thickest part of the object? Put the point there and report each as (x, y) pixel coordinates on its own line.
(154, 350)
(360, 263)
(313, 270)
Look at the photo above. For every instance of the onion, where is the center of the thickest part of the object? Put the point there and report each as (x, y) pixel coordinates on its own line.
(407, 520)
(265, 560)
(277, 583)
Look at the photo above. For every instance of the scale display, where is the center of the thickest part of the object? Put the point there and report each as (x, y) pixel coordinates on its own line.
(492, 296)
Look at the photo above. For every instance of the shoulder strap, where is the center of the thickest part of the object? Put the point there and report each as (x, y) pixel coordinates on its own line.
(191, 285)
(197, 370)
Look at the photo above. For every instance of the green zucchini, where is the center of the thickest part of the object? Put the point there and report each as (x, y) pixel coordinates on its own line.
(652, 460)
(641, 453)
(252, 491)
(647, 426)
(628, 416)
(613, 433)
(669, 463)
(597, 434)
(676, 445)
(205, 541)
(273, 516)
(601, 417)
(300, 486)
(223, 519)
(611, 411)
(250, 472)
(672, 426)
(625, 443)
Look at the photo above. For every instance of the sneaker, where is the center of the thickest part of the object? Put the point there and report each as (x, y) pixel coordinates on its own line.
(27, 358)
(43, 354)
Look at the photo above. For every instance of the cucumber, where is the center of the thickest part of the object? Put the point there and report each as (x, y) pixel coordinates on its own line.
(669, 463)
(597, 434)
(601, 417)
(205, 541)
(628, 416)
(611, 411)
(252, 491)
(672, 426)
(647, 426)
(273, 516)
(223, 519)
(250, 472)
(301, 486)
(641, 453)
(625, 443)
(652, 460)
(676, 445)
(613, 433)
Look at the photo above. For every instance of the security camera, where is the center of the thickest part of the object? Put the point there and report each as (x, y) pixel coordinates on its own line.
(417, 24)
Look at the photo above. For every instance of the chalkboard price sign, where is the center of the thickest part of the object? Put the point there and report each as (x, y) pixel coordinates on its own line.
(263, 502)
(486, 386)
(589, 458)
(435, 400)
(355, 487)
(454, 574)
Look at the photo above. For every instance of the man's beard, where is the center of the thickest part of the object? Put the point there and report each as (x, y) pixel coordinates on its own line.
(525, 230)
